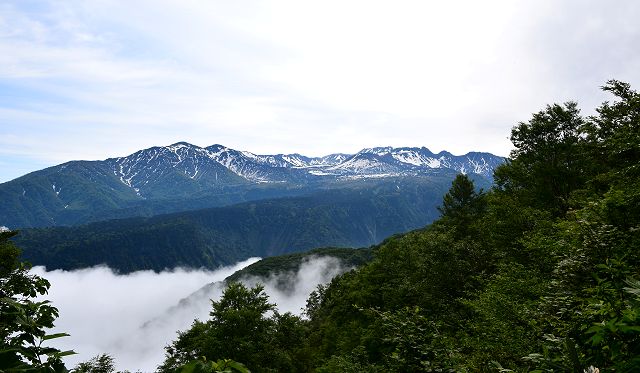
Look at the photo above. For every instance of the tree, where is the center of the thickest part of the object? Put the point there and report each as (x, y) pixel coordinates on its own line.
(590, 311)
(614, 133)
(239, 325)
(462, 205)
(548, 163)
(98, 364)
(221, 366)
(23, 321)
(242, 329)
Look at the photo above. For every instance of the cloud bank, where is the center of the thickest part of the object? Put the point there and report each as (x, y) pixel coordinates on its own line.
(103, 311)
(132, 317)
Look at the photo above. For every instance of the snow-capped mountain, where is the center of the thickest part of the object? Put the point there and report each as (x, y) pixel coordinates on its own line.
(144, 170)
(218, 164)
(414, 160)
(183, 176)
(269, 168)
(183, 168)
(260, 168)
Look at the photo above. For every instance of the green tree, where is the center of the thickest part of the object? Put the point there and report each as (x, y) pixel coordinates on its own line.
(103, 363)
(24, 321)
(547, 164)
(221, 366)
(243, 327)
(589, 310)
(614, 134)
(462, 205)
(239, 325)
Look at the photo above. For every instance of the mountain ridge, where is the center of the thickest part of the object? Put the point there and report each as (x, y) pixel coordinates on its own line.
(77, 192)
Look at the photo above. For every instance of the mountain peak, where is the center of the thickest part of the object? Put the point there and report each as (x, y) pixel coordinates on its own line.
(379, 150)
(216, 147)
(182, 144)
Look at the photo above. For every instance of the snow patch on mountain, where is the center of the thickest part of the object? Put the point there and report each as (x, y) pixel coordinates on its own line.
(215, 163)
(367, 164)
(410, 158)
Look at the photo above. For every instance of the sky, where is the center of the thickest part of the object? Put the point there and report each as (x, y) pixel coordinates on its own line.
(133, 317)
(97, 79)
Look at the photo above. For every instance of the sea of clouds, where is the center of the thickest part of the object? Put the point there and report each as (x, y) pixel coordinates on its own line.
(133, 317)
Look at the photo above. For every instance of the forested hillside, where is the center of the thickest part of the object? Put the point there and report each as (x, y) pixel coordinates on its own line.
(538, 274)
(361, 215)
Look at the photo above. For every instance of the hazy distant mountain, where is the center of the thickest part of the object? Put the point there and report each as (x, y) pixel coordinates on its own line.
(184, 177)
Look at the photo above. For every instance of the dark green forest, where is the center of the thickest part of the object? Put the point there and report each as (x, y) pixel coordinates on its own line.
(361, 215)
(538, 274)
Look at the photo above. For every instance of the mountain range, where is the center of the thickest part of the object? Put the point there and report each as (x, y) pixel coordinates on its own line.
(182, 176)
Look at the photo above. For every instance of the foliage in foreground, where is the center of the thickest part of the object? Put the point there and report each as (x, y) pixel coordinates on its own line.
(538, 274)
(23, 320)
(220, 366)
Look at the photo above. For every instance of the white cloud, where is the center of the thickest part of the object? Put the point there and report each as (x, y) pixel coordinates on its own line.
(292, 297)
(104, 312)
(132, 317)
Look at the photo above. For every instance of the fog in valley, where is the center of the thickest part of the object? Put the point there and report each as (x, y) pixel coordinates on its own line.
(132, 317)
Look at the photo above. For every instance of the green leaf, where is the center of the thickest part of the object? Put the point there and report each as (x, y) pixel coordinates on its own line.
(238, 366)
(189, 367)
(627, 328)
(54, 336)
(65, 353)
(596, 339)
